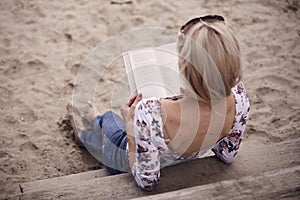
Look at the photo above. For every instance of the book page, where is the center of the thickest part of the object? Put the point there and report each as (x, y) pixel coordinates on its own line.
(142, 57)
(153, 71)
(167, 58)
(128, 67)
(149, 81)
(146, 73)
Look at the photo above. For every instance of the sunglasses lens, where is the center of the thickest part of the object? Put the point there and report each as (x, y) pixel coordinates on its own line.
(212, 18)
(189, 23)
(206, 18)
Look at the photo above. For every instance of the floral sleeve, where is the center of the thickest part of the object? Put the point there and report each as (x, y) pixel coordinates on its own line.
(227, 148)
(146, 169)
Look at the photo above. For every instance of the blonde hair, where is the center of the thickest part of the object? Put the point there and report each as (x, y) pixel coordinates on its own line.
(209, 58)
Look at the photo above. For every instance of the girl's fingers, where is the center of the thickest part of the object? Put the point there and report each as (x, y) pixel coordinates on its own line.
(182, 90)
(131, 100)
(128, 109)
(137, 99)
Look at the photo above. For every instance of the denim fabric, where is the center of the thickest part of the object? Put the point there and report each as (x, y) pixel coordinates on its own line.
(108, 142)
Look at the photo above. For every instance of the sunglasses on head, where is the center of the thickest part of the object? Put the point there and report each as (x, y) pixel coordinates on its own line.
(207, 18)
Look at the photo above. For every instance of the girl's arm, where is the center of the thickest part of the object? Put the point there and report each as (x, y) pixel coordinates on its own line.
(127, 112)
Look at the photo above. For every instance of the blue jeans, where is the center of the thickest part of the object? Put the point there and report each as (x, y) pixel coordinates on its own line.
(108, 142)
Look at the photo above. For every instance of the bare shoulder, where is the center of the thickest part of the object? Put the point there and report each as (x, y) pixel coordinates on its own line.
(169, 104)
(169, 108)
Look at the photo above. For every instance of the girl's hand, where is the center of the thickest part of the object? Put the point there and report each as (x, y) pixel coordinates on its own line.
(127, 112)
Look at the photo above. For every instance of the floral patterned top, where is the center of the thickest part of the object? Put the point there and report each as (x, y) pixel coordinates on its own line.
(152, 150)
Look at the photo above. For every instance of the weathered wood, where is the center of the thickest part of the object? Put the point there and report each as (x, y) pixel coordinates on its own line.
(190, 174)
(278, 184)
(63, 180)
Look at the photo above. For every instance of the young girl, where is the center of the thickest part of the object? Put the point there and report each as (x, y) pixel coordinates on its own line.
(157, 132)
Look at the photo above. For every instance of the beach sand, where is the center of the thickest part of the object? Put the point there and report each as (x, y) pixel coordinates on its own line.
(43, 43)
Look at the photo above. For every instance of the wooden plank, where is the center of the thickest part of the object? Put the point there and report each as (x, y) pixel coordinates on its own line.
(190, 174)
(278, 184)
(61, 181)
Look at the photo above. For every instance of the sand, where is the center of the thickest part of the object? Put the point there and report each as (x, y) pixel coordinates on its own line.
(43, 43)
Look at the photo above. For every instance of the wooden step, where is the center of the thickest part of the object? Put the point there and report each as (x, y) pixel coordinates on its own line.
(199, 172)
(277, 184)
(62, 181)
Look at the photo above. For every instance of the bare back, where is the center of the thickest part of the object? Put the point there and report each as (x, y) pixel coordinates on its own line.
(181, 125)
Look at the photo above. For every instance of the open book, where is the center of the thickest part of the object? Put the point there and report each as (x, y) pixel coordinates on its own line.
(153, 71)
